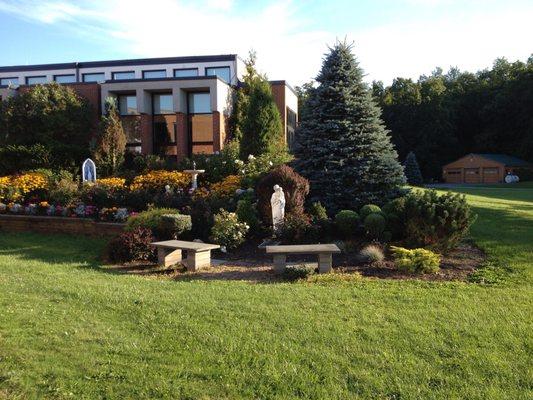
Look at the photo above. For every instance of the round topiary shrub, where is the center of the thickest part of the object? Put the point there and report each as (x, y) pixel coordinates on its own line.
(295, 187)
(173, 226)
(369, 209)
(347, 222)
(375, 225)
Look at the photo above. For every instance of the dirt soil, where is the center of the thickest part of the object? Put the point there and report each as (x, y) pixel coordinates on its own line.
(251, 264)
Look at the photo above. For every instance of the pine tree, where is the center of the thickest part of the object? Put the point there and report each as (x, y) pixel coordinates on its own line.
(412, 170)
(112, 140)
(343, 147)
(256, 121)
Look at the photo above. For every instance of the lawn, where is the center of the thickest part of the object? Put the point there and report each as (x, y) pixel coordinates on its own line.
(68, 329)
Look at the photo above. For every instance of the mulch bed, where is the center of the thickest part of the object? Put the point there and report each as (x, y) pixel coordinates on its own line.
(251, 264)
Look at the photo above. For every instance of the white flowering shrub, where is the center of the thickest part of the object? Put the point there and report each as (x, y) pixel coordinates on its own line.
(227, 230)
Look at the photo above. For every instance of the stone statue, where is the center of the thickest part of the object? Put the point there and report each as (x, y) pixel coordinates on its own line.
(277, 201)
(88, 171)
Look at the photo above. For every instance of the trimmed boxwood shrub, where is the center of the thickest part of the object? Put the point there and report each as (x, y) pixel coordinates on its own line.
(295, 187)
(173, 226)
(347, 222)
(369, 209)
(375, 225)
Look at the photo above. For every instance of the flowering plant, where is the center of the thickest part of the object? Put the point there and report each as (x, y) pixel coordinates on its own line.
(158, 180)
(228, 231)
(112, 183)
(3, 208)
(227, 187)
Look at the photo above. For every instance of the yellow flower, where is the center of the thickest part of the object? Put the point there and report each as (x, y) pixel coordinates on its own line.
(159, 179)
(111, 183)
(227, 186)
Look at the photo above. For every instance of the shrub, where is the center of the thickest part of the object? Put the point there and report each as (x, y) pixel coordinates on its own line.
(247, 212)
(202, 218)
(436, 221)
(371, 253)
(294, 186)
(17, 158)
(347, 222)
(172, 226)
(64, 192)
(393, 212)
(298, 271)
(157, 180)
(295, 228)
(133, 245)
(416, 260)
(150, 219)
(375, 225)
(369, 209)
(227, 230)
(318, 212)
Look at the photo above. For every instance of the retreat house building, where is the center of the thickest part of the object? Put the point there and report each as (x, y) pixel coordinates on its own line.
(173, 106)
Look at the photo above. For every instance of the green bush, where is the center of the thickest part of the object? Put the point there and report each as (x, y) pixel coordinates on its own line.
(371, 253)
(227, 230)
(64, 192)
(347, 222)
(318, 212)
(172, 226)
(247, 212)
(375, 225)
(150, 219)
(18, 158)
(295, 228)
(426, 219)
(299, 271)
(369, 209)
(416, 260)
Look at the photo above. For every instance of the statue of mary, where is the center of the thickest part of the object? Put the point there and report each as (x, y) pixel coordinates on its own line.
(277, 201)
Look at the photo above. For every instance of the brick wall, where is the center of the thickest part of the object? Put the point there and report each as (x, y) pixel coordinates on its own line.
(278, 90)
(182, 135)
(146, 134)
(70, 226)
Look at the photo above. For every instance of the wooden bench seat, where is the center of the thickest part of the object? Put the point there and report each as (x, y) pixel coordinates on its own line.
(323, 251)
(198, 254)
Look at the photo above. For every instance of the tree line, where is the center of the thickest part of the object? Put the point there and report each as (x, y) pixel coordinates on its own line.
(444, 116)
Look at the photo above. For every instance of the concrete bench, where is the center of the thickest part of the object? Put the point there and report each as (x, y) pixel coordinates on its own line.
(198, 254)
(324, 252)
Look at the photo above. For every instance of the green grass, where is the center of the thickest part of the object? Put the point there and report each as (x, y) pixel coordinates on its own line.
(70, 330)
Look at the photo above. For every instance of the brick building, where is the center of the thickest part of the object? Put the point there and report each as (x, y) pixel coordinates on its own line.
(175, 106)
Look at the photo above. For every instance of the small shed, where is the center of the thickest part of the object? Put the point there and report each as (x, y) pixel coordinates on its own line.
(482, 168)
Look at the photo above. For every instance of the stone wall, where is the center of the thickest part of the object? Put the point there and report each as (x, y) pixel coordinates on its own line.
(70, 226)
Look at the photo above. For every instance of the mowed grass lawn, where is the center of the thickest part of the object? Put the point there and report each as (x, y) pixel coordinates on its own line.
(70, 330)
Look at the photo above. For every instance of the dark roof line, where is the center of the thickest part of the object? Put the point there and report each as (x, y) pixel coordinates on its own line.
(510, 161)
(119, 63)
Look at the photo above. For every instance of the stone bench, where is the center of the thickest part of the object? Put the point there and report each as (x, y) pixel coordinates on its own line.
(198, 254)
(323, 251)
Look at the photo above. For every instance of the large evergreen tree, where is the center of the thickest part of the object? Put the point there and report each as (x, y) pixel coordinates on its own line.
(112, 139)
(412, 170)
(343, 147)
(256, 120)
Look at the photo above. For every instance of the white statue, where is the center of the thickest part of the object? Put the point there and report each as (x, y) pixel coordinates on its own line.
(88, 171)
(277, 201)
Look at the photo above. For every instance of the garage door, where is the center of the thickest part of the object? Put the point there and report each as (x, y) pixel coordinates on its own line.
(472, 175)
(453, 175)
(491, 175)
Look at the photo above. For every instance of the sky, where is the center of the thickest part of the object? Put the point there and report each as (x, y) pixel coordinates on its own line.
(390, 38)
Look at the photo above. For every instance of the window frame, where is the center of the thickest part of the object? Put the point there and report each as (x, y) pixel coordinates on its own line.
(162, 94)
(83, 75)
(186, 69)
(63, 75)
(7, 78)
(189, 103)
(227, 67)
(27, 79)
(154, 70)
(122, 72)
(136, 105)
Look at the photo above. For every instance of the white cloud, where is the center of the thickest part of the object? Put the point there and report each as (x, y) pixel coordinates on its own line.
(288, 46)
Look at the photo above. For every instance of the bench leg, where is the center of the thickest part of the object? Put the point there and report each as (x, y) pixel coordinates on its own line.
(197, 260)
(280, 260)
(168, 257)
(325, 263)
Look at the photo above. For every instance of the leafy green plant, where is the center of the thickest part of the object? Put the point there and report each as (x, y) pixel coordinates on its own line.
(150, 219)
(172, 226)
(227, 230)
(375, 225)
(347, 222)
(298, 271)
(295, 228)
(368, 209)
(318, 212)
(416, 260)
(247, 212)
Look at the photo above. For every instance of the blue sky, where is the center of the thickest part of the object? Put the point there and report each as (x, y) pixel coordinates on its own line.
(391, 38)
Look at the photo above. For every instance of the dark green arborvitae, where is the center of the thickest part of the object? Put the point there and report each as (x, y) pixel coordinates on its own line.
(343, 147)
(412, 170)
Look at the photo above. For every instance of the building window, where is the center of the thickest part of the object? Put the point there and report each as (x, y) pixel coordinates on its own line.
(184, 73)
(156, 74)
(70, 78)
(162, 104)
(35, 80)
(291, 127)
(127, 104)
(222, 72)
(9, 81)
(199, 103)
(123, 75)
(94, 77)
